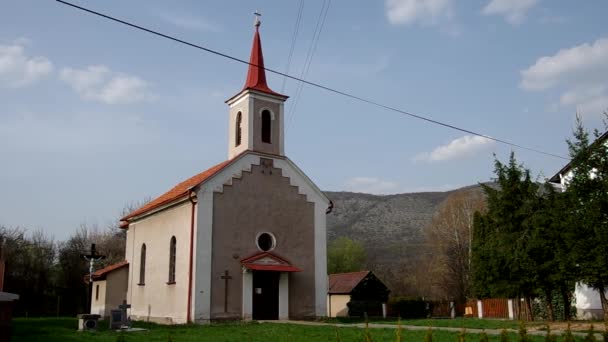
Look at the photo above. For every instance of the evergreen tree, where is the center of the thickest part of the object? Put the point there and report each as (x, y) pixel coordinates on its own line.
(502, 264)
(587, 193)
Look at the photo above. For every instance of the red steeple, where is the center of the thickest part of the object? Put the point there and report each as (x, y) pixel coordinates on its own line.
(256, 76)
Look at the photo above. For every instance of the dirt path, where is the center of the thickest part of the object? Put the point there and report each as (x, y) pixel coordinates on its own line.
(556, 328)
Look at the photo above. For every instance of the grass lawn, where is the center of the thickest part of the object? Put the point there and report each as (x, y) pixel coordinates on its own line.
(64, 329)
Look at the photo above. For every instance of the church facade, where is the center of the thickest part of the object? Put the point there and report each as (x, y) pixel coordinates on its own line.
(245, 239)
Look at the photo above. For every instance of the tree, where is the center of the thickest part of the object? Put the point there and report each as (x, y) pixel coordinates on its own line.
(502, 266)
(449, 237)
(29, 268)
(587, 192)
(345, 255)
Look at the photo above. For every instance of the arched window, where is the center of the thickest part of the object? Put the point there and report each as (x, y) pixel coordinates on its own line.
(142, 265)
(172, 250)
(266, 126)
(238, 127)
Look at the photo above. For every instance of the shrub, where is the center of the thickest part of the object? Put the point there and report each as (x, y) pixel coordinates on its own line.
(550, 337)
(568, 337)
(407, 308)
(399, 332)
(429, 335)
(590, 337)
(504, 336)
(522, 336)
(461, 335)
(483, 337)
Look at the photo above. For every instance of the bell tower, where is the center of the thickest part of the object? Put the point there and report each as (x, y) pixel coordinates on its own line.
(256, 117)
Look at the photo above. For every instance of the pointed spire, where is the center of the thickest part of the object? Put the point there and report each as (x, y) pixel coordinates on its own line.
(256, 75)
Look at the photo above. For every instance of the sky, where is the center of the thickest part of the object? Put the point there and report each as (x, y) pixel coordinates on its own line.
(95, 115)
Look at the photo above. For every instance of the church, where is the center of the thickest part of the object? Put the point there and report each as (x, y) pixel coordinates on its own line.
(244, 239)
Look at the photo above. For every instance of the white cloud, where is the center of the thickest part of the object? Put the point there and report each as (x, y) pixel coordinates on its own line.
(462, 147)
(189, 22)
(371, 185)
(580, 73)
(99, 83)
(514, 11)
(427, 12)
(19, 70)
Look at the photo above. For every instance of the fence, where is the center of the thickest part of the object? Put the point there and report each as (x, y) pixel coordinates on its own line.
(491, 308)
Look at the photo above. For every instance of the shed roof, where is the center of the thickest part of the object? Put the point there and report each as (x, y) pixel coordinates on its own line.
(102, 273)
(344, 283)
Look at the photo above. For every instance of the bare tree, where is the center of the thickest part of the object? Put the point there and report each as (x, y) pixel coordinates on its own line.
(449, 238)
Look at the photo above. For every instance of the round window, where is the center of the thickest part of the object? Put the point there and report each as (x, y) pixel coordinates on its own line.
(265, 242)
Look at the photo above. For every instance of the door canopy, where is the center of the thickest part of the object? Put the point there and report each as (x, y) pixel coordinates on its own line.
(267, 261)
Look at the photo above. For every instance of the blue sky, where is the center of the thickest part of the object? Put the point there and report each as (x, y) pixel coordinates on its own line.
(94, 115)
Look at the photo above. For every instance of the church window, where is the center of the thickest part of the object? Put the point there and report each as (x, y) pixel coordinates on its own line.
(172, 250)
(97, 292)
(266, 126)
(142, 265)
(266, 242)
(239, 129)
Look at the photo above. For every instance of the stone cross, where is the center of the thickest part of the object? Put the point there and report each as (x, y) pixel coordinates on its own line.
(123, 309)
(226, 277)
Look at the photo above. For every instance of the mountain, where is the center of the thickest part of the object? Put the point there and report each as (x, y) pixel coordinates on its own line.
(391, 227)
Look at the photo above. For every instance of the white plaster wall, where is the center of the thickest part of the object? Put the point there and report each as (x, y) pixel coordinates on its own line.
(245, 106)
(158, 301)
(284, 295)
(116, 289)
(98, 306)
(337, 303)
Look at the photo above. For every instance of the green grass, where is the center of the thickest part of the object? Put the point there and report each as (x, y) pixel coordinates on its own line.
(64, 329)
(468, 323)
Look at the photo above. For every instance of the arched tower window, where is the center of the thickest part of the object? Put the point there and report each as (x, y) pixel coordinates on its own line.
(238, 128)
(172, 250)
(142, 265)
(266, 126)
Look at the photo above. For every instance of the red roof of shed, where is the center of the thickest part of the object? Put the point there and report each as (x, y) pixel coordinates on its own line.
(102, 273)
(344, 283)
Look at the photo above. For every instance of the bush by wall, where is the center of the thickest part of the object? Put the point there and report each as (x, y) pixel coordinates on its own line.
(408, 308)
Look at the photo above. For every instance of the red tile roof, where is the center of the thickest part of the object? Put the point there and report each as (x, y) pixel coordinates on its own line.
(102, 273)
(344, 283)
(177, 191)
(256, 75)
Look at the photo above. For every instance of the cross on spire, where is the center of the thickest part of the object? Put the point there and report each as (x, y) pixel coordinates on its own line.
(256, 20)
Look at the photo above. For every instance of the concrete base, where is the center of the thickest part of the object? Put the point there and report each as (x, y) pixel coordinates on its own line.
(88, 322)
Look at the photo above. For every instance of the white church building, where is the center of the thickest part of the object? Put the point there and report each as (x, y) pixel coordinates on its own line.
(244, 239)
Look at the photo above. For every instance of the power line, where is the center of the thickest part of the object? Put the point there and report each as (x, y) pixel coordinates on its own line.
(294, 38)
(335, 91)
(311, 51)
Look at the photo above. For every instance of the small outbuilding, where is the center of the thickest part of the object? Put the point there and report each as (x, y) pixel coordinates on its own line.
(109, 288)
(361, 287)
